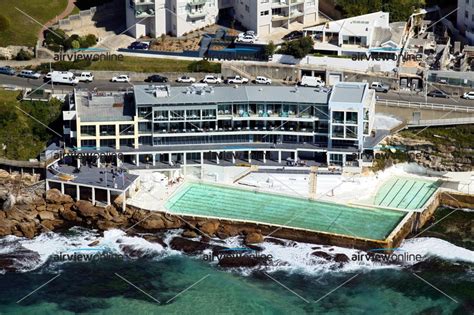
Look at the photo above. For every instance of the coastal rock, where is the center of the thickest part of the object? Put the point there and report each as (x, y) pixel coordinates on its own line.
(227, 231)
(153, 222)
(54, 196)
(28, 229)
(86, 209)
(18, 260)
(253, 238)
(189, 234)
(155, 239)
(322, 255)
(52, 224)
(105, 225)
(6, 228)
(341, 258)
(209, 228)
(2, 215)
(192, 247)
(68, 215)
(54, 207)
(46, 215)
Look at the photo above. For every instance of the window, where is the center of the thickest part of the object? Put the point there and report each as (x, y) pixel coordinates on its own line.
(338, 117)
(338, 131)
(88, 130)
(351, 117)
(351, 132)
(263, 13)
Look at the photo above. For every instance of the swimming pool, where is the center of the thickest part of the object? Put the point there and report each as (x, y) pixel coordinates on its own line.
(198, 199)
(405, 193)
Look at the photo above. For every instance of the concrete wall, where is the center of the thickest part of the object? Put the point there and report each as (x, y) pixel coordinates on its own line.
(139, 76)
(406, 114)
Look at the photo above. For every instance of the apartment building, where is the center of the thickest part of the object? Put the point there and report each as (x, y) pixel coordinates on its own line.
(177, 17)
(162, 125)
(365, 34)
(465, 19)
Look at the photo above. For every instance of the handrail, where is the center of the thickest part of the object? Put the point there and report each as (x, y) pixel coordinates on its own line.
(420, 105)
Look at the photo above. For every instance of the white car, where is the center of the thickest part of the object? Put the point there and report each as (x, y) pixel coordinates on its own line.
(121, 78)
(263, 80)
(210, 79)
(249, 33)
(86, 77)
(246, 39)
(468, 95)
(30, 74)
(237, 80)
(186, 79)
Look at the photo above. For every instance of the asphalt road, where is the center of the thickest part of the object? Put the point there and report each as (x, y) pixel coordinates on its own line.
(109, 86)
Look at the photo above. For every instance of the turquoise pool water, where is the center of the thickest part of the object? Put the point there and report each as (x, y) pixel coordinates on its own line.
(405, 193)
(238, 204)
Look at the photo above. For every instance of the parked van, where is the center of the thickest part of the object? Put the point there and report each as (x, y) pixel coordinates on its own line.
(61, 77)
(85, 77)
(312, 81)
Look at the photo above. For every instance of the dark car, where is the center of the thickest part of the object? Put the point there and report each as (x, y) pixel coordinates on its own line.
(437, 93)
(7, 70)
(293, 35)
(138, 45)
(156, 78)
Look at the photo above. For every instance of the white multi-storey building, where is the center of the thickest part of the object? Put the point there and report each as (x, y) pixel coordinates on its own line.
(177, 17)
(162, 125)
(465, 19)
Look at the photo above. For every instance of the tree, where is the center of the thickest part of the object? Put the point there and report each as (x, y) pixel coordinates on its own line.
(298, 48)
(269, 49)
(399, 10)
(75, 44)
(23, 55)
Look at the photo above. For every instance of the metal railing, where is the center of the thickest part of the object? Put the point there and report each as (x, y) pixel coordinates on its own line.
(434, 106)
(441, 122)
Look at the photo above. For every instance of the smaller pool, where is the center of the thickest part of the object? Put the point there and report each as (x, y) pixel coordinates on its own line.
(405, 193)
(207, 200)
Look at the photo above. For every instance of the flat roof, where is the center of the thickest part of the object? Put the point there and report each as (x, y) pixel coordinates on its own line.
(345, 92)
(144, 95)
(104, 106)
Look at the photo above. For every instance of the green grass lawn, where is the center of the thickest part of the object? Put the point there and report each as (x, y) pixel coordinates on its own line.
(22, 30)
(136, 64)
(142, 65)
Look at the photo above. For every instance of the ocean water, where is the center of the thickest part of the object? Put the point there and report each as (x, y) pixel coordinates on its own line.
(169, 282)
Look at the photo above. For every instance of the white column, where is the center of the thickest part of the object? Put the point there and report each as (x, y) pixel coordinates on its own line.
(233, 157)
(108, 196)
(62, 188)
(137, 161)
(78, 162)
(153, 159)
(98, 161)
(279, 156)
(93, 195)
(250, 156)
(343, 160)
(264, 157)
(78, 193)
(217, 157)
(170, 158)
(202, 158)
(47, 185)
(184, 158)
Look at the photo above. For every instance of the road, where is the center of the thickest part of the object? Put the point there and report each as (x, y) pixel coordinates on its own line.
(105, 85)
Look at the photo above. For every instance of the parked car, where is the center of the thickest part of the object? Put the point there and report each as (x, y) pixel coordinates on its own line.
(437, 93)
(380, 87)
(293, 35)
(469, 95)
(246, 39)
(30, 74)
(61, 77)
(443, 81)
(186, 79)
(210, 79)
(121, 78)
(85, 77)
(249, 33)
(237, 80)
(139, 45)
(7, 70)
(156, 78)
(312, 81)
(263, 80)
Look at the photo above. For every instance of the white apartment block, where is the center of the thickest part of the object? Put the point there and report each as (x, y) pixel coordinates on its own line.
(177, 17)
(465, 19)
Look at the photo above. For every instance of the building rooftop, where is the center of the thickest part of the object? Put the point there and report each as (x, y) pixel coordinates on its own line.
(104, 106)
(154, 95)
(345, 92)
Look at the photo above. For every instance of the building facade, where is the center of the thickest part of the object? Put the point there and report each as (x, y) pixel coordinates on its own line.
(163, 125)
(465, 19)
(177, 17)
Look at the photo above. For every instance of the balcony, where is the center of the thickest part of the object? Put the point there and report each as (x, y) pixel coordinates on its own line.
(195, 15)
(197, 2)
(280, 4)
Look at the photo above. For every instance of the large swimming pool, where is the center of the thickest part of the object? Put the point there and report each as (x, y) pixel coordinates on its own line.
(197, 199)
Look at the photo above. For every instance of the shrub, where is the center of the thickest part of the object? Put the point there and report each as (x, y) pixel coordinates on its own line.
(23, 55)
(75, 44)
(4, 23)
(204, 66)
(298, 48)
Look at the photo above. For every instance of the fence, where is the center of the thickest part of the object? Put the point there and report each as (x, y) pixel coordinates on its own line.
(417, 105)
